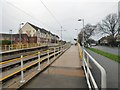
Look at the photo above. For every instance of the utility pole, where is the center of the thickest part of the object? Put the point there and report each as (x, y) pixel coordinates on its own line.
(11, 36)
(61, 33)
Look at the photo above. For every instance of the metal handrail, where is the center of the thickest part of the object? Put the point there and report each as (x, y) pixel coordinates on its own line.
(102, 70)
(88, 73)
(27, 56)
(39, 60)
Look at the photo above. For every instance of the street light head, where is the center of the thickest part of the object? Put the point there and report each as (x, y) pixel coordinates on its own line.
(21, 23)
(79, 19)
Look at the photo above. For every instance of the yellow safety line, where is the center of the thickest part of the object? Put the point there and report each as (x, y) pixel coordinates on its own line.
(80, 51)
(4, 62)
(1, 79)
(10, 61)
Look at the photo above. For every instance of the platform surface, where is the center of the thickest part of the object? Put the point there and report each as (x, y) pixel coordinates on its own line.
(65, 72)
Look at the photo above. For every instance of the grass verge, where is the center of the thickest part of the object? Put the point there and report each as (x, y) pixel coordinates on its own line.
(106, 54)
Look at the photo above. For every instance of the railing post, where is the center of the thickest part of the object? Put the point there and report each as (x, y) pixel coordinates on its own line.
(5, 47)
(9, 47)
(54, 53)
(22, 74)
(88, 67)
(16, 46)
(39, 66)
(61, 48)
(48, 62)
(83, 56)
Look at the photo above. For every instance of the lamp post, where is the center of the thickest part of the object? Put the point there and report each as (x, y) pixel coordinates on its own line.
(20, 32)
(83, 40)
(38, 37)
(11, 37)
(77, 32)
(83, 30)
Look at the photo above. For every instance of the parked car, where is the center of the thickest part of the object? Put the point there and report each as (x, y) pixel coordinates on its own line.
(93, 44)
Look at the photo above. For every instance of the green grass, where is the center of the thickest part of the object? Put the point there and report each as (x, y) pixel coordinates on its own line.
(106, 54)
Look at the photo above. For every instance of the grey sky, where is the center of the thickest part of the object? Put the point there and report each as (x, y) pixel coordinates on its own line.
(67, 12)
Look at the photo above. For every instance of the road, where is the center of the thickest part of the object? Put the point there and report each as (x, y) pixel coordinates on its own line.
(111, 68)
(113, 50)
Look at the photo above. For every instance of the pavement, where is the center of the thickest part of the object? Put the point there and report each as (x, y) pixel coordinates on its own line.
(56, 81)
(111, 68)
(65, 72)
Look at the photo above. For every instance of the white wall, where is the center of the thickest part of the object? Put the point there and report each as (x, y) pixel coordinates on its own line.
(29, 30)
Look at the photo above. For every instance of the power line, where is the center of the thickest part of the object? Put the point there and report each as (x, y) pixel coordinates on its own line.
(54, 18)
(61, 32)
(28, 14)
(50, 12)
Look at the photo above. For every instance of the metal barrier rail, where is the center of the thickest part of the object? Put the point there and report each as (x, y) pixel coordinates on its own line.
(39, 61)
(88, 73)
(20, 46)
(12, 60)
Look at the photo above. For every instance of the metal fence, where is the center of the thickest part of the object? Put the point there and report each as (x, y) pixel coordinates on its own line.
(20, 46)
(87, 58)
(49, 53)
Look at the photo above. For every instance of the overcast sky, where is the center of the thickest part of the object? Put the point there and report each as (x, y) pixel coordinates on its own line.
(67, 12)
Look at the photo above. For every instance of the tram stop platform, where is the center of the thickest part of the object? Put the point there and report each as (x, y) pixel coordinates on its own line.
(65, 72)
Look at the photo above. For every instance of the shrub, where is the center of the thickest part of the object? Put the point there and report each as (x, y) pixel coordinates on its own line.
(6, 42)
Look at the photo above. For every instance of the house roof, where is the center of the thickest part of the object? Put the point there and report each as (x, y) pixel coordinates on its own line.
(42, 30)
(37, 28)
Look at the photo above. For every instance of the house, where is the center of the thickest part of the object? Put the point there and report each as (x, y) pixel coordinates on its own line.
(118, 38)
(14, 37)
(39, 34)
(5, 36)
(103, 40)
(110, 40)
(30, 33)
(23, 38)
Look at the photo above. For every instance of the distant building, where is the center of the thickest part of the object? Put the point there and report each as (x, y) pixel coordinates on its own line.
(103, 41)
(5, 36)
(108, 40)
(42, 35)
(15, 37)
(118, 38)
(31, 34)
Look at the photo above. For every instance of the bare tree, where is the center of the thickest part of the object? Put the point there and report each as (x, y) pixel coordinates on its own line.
(109, 25)
(88, 32)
